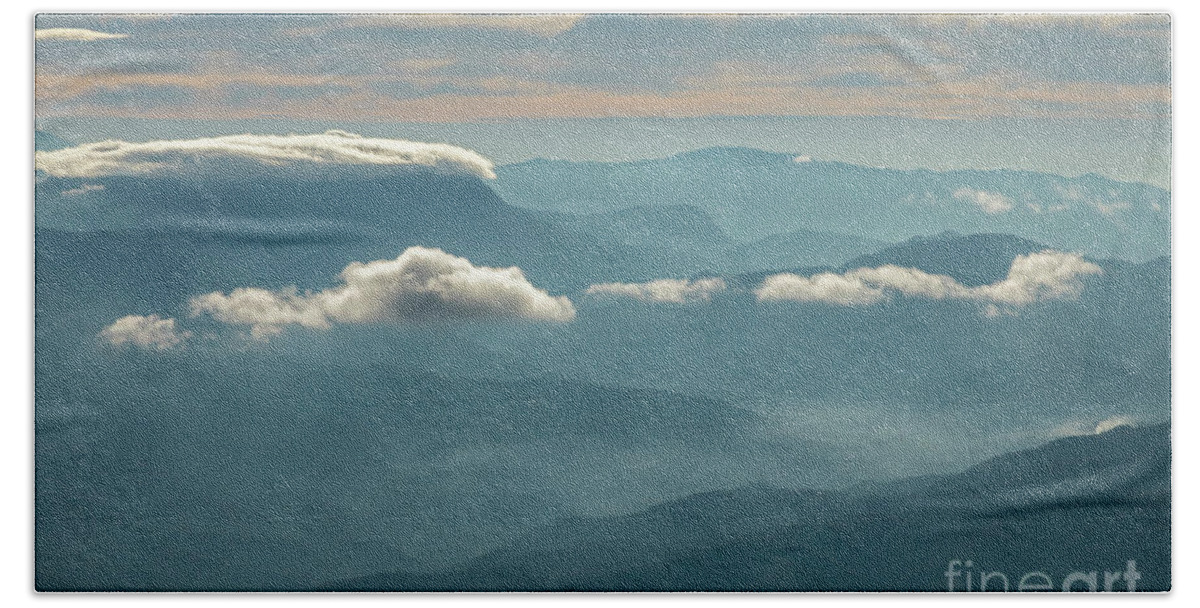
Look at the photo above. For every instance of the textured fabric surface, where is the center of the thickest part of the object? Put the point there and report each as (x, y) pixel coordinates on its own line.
(603, 302)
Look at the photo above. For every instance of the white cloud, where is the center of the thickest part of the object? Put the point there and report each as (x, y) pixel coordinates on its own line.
(1039, 277)
(1077, 428)
(421, 285)
(114, 157)
(72, 33)
(990, 202)
(826, 287)
(1043, 276)
(150, 333)
(802, 159)
(677, 291)
(1113, 422)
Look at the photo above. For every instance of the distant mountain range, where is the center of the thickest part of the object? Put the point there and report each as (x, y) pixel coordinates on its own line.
(325, 454)
(1088, 503)
(753, 194)
(372, 214)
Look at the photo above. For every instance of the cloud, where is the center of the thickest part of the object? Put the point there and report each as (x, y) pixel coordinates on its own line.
(539, 24)
(150, 333)
(1077, 428)
(115, 157)
(676, 291)
(422, 285)
(990, 202)
(84, 189)
(75, 34)
(826, 287)
(1113, 422)
(362, 100)
(1037, 277)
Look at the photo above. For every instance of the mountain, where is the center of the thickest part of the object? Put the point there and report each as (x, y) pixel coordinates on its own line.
(268, 222)
(941, 354)
(231, 463)
(1087, 504)
(44, 140)
(688, 242)
(219, 469)
(370, 213)
(753, 194)
(799, 248)
(976, 259)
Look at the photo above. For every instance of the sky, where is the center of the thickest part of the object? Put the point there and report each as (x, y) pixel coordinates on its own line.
(1067, 94)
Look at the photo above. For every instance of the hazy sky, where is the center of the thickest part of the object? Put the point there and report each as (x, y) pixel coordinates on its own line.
(1066, 94)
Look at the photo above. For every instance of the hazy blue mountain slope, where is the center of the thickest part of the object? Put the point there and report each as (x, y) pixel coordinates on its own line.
(359, 213)
(753, 194)
(1077, 504)
(218, 469)
(977, 259)
(364, 215)
(685, 241)
(934, 356)
(799, 248)
(331, 454)
(948, 352)
(44, 140)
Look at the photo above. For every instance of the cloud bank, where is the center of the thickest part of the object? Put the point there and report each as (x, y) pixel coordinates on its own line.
(1037, 277)
(675, 291)
(539, 24)
(114, 157)
(74, 34)
(422, 285)
(149, 333)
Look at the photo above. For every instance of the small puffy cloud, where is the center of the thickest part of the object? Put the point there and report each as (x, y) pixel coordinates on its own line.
(802, 159)
(676, 291)
(331, 148)
(991, 203)
(74, 34)
(1077, 428)
(422, 285)
(150, 333)
(1113, 422)
(1043, 276)
(1039, 277)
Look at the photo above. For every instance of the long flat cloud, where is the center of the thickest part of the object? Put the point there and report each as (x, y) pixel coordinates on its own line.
(74, 34)
(1043, 276)
(422, 285)
(149, 332)
(676, 291)
(116, 157)
(540, 24)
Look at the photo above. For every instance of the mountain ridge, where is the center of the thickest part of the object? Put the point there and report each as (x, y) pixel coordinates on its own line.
(754, 194)
(734, 540)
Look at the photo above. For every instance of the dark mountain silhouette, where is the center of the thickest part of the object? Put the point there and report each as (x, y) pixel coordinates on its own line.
(1088, 503)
